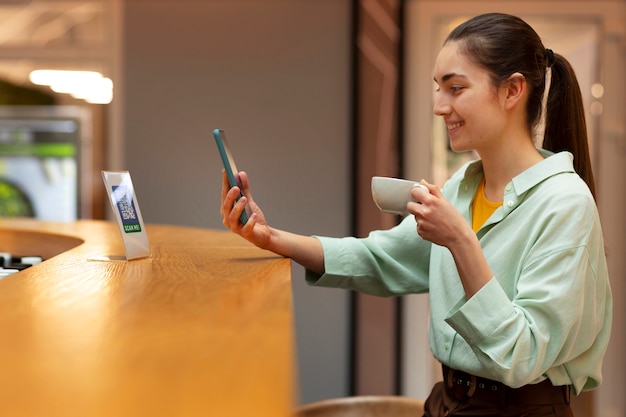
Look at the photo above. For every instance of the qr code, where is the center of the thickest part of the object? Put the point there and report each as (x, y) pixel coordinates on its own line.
(126, 207)
(123, 197)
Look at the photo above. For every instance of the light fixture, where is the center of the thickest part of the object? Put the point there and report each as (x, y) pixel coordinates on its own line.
(90, 86)
(597, 90)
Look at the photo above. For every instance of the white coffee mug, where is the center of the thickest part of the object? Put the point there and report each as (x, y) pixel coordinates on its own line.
(391, 195)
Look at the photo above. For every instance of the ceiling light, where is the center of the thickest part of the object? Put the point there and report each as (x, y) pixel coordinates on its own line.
(90, 86)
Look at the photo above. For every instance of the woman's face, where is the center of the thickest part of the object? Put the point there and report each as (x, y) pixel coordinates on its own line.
(471, 106)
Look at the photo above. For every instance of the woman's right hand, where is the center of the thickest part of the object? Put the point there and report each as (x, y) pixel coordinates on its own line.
(256, 229)
(305, 250)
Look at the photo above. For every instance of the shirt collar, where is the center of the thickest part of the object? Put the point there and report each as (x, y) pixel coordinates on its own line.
(552, 164)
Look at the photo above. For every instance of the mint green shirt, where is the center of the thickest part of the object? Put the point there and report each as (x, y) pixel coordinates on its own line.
(547, 311)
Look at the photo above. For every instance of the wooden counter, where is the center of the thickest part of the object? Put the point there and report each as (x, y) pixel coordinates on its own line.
(204, 327)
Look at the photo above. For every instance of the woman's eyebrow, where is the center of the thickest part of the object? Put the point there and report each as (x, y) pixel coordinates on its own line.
(448, 76)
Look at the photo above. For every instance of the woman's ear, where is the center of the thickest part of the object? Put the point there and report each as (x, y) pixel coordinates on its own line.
(515, 87)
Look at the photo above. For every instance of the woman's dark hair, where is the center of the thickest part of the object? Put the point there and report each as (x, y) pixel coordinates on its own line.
(505, 44)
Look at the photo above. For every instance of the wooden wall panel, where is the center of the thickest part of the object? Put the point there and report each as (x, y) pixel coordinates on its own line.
(376, 152)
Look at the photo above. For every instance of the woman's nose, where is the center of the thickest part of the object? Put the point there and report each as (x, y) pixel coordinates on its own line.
(441, 106)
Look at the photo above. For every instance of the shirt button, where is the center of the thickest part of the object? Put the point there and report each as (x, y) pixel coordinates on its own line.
(446, 346)
(508, 187)
(510, 203)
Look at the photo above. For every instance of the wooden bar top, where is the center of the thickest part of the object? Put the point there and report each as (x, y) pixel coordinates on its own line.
(203, 327)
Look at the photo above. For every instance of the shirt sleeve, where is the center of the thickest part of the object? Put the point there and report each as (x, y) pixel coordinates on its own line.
(386, 263)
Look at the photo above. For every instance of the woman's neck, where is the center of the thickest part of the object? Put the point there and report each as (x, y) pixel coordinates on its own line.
(500, 166)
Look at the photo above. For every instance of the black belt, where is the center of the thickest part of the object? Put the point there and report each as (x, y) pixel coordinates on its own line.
(462, 386)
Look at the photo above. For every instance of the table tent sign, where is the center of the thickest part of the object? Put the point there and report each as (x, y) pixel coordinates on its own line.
(125, 207)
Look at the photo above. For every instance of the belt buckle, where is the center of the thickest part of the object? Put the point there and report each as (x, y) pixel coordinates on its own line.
(470, 383)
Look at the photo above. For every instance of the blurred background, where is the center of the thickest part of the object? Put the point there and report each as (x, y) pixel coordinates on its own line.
(316, 96)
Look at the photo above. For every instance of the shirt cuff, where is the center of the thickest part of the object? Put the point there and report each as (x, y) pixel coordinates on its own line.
(477, 318)
(332, 267)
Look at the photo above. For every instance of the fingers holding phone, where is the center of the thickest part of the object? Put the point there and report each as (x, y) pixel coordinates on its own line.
(234, 203)
(234, 208)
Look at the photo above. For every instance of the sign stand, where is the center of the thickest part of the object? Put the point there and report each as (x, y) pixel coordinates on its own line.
(121, 194)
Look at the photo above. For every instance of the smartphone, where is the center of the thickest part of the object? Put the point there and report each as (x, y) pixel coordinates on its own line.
(229, 165)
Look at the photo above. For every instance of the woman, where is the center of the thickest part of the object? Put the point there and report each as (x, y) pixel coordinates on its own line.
(510, 249)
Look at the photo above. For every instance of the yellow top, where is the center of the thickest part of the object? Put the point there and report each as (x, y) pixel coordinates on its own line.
(482, 208)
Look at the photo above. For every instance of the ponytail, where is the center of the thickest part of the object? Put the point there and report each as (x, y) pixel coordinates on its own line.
(565, 127)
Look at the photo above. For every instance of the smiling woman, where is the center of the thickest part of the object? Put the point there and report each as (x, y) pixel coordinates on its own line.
(465, 93)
